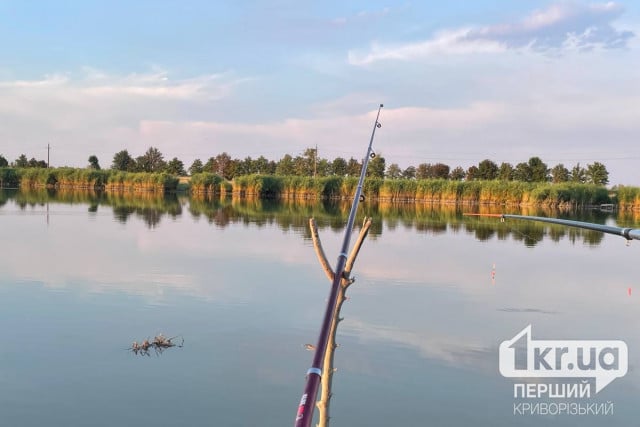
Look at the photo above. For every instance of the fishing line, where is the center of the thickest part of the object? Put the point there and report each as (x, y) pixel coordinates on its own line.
(524, 235)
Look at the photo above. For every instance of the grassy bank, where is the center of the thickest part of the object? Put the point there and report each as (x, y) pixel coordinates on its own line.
(299, 188)
(89, 179)
(628, 197)
(434, 190)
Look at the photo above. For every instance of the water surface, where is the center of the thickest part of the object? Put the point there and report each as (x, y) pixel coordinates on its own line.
(82, 276)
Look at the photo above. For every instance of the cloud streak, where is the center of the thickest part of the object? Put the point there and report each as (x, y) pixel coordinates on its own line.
(99, 109)
(559, 28)
(154, 85)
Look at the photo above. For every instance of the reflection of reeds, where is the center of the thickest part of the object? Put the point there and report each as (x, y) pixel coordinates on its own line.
(436, 218)
(292, 214)
(149, 206)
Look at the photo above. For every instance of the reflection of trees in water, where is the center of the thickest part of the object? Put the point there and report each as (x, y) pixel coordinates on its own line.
(150, 207)
(291, 215)
(528, 233)
(122, 213)
(423, 218)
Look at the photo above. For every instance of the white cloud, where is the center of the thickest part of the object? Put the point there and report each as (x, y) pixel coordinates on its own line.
(444, 43)
(560, 27)
(98, 110)
(342, 134)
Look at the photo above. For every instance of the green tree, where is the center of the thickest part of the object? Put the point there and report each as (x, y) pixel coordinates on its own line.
(323, 167)
(302, 167)
(578, 174)
(376, 167)
(223, 160)
(22, 162)
(285, 166)
(245, 167)
(353, 167)
(409, 172)
(424, 171)
(559, 173)
(339, 166)
(33, 163)
(311, 158)
(261, 165)
(3, 162)
(176, 167)
(394, 171)
(487, 170)
(231, 168)
(196, 167)
(440, 170)
(457, 174)
(122, 161)
(505, 172)
(151, 161)
(271, 167)
(211, 166)
(597, 174)
(93, 162)
(539, 170)
(522, 172)
(472, 173)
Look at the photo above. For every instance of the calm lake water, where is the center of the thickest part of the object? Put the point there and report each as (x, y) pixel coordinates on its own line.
(83, 276)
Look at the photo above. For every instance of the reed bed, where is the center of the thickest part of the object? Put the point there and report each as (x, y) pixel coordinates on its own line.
(141, 182)
(206, 183)
(297, 187)
(9, 178)
(628, 197)
(426, 191)
(87, 179)
(256, 185)
(287, 187)
(492, 192)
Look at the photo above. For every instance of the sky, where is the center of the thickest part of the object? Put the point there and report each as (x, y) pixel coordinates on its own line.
(461, 81)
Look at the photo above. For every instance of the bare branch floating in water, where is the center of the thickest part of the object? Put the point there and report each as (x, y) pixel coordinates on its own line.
(158, 344)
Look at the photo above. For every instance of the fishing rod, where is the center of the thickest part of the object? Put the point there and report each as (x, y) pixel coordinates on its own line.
(627, 233)
(314, 374)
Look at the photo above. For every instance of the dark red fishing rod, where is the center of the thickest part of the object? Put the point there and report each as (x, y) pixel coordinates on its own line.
(314, 374)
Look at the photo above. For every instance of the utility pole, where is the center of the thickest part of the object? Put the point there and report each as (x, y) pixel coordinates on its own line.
(48, 149)
(315, 162)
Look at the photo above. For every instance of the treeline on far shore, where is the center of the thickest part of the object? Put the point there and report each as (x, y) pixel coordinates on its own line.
(569, 194)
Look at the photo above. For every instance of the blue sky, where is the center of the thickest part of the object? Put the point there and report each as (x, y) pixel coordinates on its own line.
(461, 81)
